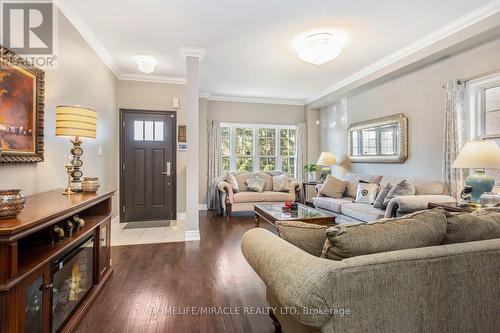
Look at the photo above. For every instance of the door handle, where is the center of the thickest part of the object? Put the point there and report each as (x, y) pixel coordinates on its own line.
(168, 172)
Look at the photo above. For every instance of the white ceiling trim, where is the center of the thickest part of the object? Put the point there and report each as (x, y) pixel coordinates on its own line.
(262, 100)
(152, 78)
(402, 56)
(87, 34)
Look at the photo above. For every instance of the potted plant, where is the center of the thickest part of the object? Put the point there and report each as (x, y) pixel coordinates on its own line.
(311, 170)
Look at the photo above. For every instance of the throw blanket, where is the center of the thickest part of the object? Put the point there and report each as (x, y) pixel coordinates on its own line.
(214, 195)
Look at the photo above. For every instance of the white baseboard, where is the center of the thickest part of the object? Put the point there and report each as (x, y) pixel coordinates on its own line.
(192, 235)
(202, 207)
(181, 216)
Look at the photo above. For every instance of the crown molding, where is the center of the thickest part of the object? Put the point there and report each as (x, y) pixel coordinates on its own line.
(87, 34)
(189, 51)
(152, 78)
(472, 24)
(261, 100)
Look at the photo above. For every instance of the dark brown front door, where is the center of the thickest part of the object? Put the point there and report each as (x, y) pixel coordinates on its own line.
(148, 174)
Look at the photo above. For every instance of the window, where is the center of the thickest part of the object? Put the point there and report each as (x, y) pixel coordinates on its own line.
(267, 149)
(492, 111)
(484, 106)
(148, 130)
(258, 147)
(369, 138)
(287, 150)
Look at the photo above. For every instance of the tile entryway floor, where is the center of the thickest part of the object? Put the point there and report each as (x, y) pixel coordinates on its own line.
(148, 232)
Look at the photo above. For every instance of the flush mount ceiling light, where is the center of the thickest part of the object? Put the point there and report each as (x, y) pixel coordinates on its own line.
(320, 47)
(146, 63)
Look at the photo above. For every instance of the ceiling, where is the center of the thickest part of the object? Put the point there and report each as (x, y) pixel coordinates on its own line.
(249, 50)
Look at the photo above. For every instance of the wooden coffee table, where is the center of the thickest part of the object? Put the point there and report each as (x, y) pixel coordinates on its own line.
(273, 211)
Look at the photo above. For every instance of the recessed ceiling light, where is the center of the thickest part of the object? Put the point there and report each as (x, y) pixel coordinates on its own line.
(146, 63)
(320, 47)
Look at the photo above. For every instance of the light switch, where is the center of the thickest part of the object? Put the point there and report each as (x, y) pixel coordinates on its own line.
(99, 151)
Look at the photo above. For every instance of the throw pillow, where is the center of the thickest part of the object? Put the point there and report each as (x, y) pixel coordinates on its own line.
(256, 184)
(404, 187)
(465, 227)
(333, 187)
(241, 178)
(367, 192)
(281, 183)
(306, 236)
(379, 202)
(424, 228)
(354, 179)
(231, 180)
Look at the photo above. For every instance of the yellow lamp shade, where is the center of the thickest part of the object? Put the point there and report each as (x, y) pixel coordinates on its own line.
(75, 121)
(326, 159)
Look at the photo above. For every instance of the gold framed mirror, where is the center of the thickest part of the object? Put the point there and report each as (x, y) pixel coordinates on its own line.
(382, 140)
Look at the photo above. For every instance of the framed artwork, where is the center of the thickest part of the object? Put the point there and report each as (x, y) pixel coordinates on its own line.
(22, 93)
(181, 138)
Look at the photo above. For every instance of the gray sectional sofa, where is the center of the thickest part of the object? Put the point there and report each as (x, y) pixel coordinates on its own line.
(349, 212)
(451, 286)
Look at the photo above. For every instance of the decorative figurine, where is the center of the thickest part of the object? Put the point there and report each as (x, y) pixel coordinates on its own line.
(466, 195)
(57, 234)
(69, 171)
(68, 228)
(78, 222)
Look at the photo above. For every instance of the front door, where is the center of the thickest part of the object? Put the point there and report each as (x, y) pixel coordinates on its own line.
(148, 174)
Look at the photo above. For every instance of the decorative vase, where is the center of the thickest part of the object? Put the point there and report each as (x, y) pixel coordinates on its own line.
(311, 176)
(480, 183)
(90, 184)
(11, 203)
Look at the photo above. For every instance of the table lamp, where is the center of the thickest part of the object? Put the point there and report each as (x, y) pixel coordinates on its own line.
(479, 155)
(326, 159)
(76, 122)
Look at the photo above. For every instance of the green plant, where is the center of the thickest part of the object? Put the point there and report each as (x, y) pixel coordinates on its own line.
(313, 167)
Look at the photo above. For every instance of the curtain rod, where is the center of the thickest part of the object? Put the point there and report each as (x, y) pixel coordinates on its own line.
(477, 76)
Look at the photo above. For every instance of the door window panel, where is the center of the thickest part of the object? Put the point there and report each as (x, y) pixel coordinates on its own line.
(148, 131)
(158, 131)
(138, 130)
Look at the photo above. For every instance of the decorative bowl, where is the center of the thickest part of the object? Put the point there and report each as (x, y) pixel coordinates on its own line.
(11, 203)
(90, 184)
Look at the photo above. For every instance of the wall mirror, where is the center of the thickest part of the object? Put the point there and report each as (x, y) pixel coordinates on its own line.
(382, 140)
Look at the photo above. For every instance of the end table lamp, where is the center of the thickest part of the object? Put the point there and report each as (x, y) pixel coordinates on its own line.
(326, 159)
(479, 155)
(76, 122)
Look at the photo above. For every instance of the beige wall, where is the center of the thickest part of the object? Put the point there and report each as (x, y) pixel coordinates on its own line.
(420, 96)
(81, 78)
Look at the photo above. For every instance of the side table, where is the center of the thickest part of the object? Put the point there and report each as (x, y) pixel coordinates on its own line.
(308, 202)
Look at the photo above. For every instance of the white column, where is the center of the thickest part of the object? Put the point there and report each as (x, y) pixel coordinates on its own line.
(193, 57)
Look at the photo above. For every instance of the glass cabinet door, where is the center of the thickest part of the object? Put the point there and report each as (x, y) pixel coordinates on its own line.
(33, 306)
(34, 301)
(104, 243)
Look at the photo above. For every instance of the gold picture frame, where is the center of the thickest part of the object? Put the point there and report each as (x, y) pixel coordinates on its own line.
(22, 104)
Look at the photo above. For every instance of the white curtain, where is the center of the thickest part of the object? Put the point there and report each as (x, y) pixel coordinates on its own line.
(301, 150)
(214, 168)
(456, 131)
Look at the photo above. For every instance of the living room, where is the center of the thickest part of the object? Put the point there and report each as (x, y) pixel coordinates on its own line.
(249, 167)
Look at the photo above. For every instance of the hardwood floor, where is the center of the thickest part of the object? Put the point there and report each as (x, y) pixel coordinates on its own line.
(150, 280)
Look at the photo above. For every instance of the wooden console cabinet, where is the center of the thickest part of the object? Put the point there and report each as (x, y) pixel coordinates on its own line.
(30, 260)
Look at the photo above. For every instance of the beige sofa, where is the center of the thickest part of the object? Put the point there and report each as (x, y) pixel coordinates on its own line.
(243, 200)
(442, 288)
(349, 212)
